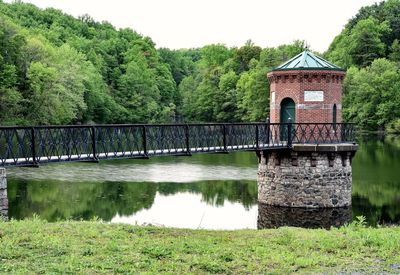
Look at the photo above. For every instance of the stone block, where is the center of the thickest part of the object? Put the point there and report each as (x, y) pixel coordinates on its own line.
(3, 178)
(324, 183)
(326, 148)
(347, 147)
(304, 147)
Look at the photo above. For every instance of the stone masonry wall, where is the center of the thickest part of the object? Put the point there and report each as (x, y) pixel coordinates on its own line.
(305, 179)
(3, 194)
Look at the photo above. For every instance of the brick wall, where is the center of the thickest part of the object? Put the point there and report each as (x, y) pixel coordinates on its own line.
(293, 84)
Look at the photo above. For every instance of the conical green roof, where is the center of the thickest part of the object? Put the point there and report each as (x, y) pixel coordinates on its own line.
(307, 61)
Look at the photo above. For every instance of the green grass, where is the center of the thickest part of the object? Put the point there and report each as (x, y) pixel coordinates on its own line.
(35, 246)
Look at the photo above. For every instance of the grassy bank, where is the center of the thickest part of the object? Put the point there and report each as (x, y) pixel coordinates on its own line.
(94, 247)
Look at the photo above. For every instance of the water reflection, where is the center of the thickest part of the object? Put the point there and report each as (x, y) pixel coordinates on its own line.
(376, 213)
(200, 167)
(152, 172)
(376, 180)
(141, 191)
(189, 210)
(274, 217)
(54, 200)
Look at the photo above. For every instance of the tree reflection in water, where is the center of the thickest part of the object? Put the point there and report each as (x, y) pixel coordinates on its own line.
(55, 200)
(376, 188)
(376, 180)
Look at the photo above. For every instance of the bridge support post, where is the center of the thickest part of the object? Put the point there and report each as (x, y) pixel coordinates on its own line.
(311, 176)
(3, 195)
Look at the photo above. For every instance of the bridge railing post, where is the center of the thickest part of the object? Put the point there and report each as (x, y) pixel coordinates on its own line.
(224, 137)
(187, 139)
(144, 141)
(33, 146)
(289, 128)
(94, 145)
(257, 137)
(268, 131)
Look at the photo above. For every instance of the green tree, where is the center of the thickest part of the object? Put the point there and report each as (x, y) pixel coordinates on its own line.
(187, 91)
(245, 54)
(339, 50)
(253, 95)
(370, 34)
(372, 95)
(395, 51)
(225, 106)
(138, 92)
(180, 64)
(10, 101)
(360, 45)
(214, 55)
(365, 41)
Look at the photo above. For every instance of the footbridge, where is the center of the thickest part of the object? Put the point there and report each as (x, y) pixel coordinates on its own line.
(37, 145)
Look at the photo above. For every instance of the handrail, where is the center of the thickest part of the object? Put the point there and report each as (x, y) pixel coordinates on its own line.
(34, 145)
(163, 124)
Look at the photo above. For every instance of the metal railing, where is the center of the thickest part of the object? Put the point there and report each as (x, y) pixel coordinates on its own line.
(31, 146)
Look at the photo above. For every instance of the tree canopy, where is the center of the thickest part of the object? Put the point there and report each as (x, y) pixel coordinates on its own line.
(57, 69)
(369, 48)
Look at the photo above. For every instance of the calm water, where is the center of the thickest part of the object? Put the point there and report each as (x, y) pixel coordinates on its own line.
(203, 191)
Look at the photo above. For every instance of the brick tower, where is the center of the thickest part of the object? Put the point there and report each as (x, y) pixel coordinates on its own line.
(316, 171)
(306, 89)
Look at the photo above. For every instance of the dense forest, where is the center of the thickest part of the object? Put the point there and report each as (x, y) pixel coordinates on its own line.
(57, 69)
(369, 48)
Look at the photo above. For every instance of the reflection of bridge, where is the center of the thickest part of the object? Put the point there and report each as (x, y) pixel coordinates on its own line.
(31, 146)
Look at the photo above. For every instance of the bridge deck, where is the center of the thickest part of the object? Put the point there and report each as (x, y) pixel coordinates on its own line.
(25, 146)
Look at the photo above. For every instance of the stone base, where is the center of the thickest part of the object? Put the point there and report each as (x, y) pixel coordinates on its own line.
(3, 195)
(311, 176)
(275, 216)
(4, 208)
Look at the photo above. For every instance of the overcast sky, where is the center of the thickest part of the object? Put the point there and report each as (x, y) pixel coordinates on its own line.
(195, 23)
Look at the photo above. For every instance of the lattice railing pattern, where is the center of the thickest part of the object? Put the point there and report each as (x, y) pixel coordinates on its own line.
(21, 146)
(56, 144)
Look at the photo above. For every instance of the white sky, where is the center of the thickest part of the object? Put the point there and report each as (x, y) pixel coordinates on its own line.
(195, 23)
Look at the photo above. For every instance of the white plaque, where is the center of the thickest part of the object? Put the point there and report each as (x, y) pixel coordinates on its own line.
(313, 95)
(273, 97)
